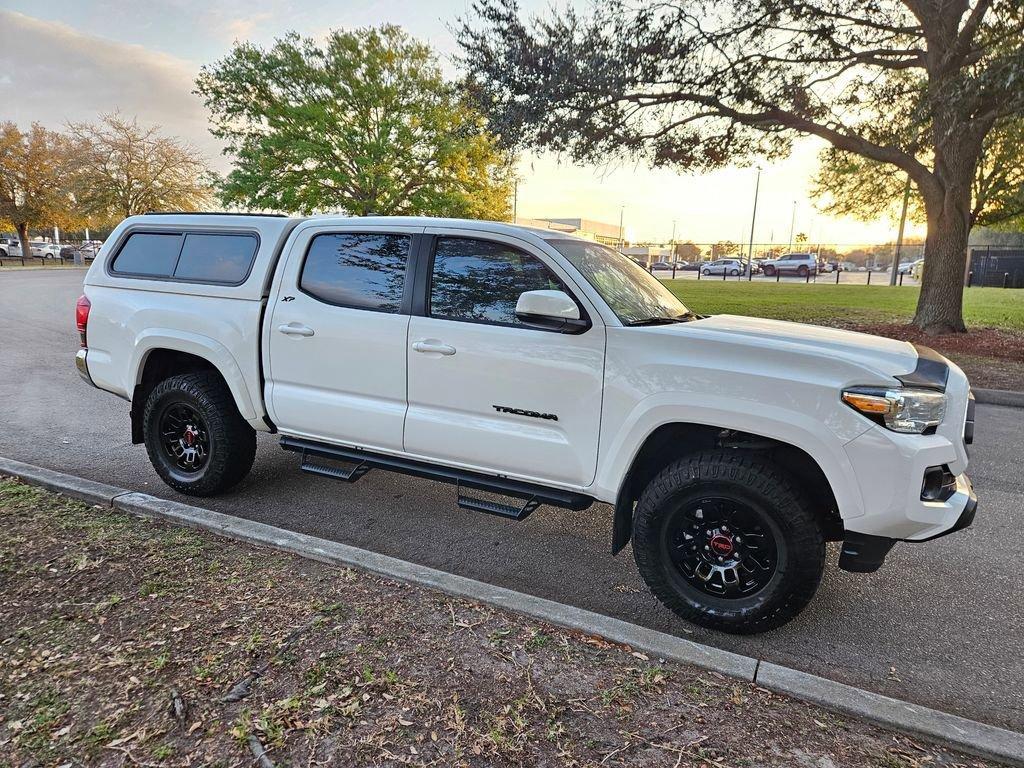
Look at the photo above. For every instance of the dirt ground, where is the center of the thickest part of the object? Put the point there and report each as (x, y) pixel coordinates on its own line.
(126, 642)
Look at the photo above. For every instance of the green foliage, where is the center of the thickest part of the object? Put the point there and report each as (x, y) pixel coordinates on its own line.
(364, 123)
(847, 184)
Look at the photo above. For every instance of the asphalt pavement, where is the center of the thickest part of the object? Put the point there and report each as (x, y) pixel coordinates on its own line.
(941, 624)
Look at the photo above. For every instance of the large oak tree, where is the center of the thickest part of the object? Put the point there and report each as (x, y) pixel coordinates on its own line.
(698, 84)
(364, 123)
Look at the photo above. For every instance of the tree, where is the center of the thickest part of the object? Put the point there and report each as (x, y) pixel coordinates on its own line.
(365, 124)
(34, 179)
(123, 169)
(699, 85)
(849, 185)
(687, 251)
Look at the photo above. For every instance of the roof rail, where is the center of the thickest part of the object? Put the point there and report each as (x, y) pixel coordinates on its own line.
(213, 213)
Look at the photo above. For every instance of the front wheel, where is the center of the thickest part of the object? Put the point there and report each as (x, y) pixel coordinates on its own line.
(705, 272)
(769, 271)
(724, 540)
(196, 440)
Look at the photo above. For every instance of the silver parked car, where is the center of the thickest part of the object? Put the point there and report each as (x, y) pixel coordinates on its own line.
(801, 264)
(722, 267)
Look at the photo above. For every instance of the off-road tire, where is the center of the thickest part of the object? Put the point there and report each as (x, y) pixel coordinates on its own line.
(232, 442)
(750, 480)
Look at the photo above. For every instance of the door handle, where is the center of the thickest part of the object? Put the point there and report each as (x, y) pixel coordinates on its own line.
(433, 346)
(296, 329)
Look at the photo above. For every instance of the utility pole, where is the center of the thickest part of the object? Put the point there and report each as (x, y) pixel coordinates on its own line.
(622, 212)
(792, 222)
(753, 218)
(899, 237)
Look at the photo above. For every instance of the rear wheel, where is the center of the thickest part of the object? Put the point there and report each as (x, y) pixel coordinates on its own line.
(196, 439)
(802, 271)
(734, 272)
(725, 541)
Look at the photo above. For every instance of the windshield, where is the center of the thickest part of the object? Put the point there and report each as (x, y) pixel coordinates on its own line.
(633, 293)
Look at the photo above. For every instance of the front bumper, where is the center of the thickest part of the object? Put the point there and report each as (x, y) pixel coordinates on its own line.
(864, 553)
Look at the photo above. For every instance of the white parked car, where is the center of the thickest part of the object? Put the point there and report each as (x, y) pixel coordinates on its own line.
(541, 366)
(45, 250)
(799, 264)
(722, 266)
(10, 246)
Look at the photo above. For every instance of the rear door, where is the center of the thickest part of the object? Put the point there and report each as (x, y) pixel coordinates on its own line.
(488, 392)
(336, 336)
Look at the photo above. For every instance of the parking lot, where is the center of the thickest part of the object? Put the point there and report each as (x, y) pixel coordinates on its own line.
(841, 277)
(941, 624)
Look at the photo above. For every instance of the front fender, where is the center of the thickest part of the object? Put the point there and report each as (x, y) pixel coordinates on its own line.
(199, 345)
(796, 428)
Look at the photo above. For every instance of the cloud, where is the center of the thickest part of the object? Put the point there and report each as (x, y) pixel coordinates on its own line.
(54, 74)
(242, 29)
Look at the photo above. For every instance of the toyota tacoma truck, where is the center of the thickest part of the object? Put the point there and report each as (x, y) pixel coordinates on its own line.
(544, 368)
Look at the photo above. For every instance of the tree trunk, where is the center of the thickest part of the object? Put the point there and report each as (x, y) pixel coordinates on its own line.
(26, 252)
(940, 305)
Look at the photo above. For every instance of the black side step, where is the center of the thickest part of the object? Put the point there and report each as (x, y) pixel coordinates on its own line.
(496, 507)
(349, 475)
(535, 495)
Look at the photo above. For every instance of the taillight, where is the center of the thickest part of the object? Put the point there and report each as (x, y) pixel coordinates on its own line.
(82, 316)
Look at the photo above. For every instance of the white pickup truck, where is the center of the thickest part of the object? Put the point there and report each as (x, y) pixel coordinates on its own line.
(543, 367)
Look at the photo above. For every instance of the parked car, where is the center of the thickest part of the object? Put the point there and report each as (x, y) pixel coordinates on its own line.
(541, 366)
(692, 266)
(824, 267)
(661, 265)
(10, 246)
(722, 266)
(918, 269)
(45, 250)
(905, 267)
(801, 264)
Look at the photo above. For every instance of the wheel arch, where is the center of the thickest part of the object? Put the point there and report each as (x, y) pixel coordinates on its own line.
(671, 441)
(158, 357)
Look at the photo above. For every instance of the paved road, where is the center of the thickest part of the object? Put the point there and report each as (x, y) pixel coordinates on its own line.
(942, 623)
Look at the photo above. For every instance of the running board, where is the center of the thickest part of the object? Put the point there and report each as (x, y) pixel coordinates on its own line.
(534, 495)
(339, 473)
(496, 507)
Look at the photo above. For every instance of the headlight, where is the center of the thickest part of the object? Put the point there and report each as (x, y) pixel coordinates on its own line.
(899, 409)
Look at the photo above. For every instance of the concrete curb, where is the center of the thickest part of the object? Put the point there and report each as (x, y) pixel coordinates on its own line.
(968, 735)
(999, 397)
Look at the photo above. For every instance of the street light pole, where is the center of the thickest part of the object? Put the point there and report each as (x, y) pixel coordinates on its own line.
(622, 212)
(792, 223)
(899, 237)
(753, 218)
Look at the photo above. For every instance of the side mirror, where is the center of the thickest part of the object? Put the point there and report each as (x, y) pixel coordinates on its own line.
(550, 310)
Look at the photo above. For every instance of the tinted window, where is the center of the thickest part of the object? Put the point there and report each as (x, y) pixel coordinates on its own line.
(479, 280)
(357, 270)
(216, 258)
(145, 253)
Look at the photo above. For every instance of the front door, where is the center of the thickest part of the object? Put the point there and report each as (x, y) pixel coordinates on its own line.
(487, 392)
(337, 337)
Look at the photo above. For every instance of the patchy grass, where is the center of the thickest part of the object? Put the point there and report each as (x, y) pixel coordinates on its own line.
(130, 642)
(852, 304)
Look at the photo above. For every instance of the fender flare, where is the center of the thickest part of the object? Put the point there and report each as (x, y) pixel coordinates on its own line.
(196, 344)
(776, 423)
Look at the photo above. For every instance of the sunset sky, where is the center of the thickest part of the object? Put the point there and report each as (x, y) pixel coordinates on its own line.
(73, 59)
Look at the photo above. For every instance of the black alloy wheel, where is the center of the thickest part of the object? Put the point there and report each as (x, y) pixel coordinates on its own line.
(184, 437)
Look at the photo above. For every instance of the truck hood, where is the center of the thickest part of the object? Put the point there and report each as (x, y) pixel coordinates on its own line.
(887, 356)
